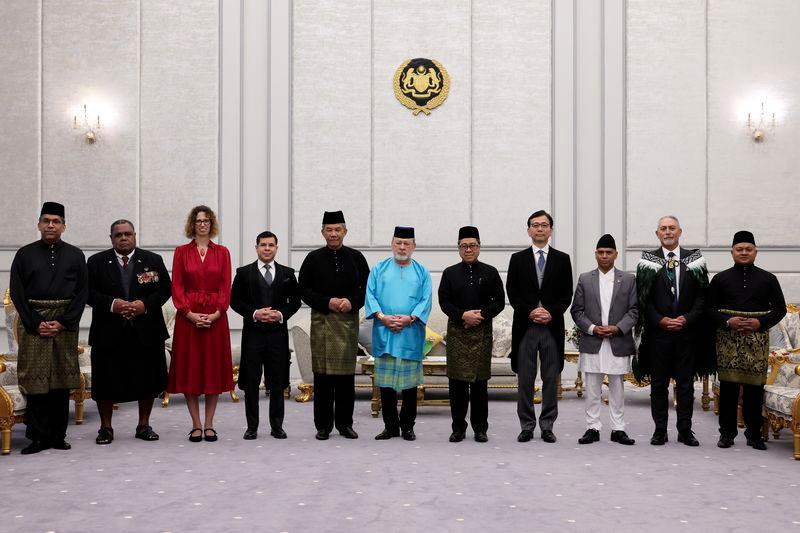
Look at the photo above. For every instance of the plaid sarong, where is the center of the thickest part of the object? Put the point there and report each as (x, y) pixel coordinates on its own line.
(742, 358)
(334, 343)
(397, 374)
(47, 363)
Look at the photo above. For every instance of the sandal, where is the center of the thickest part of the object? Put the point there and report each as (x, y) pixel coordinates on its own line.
(195, 438)
(209, 438)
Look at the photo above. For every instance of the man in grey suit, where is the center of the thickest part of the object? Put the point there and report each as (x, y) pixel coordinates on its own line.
(605, 310)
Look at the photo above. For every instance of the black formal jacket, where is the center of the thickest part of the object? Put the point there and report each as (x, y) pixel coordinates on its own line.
(150, 283)
(245, 300)
(691, 300)
(524, 294)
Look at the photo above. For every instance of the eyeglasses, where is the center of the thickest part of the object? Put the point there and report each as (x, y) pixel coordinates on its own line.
(536, 225)
(469, 246)
(203, 222)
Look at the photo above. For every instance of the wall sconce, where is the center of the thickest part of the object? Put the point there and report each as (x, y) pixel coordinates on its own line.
(758, 125)
(89, 128)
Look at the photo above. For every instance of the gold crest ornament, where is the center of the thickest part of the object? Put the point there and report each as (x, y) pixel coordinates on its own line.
(421, 84)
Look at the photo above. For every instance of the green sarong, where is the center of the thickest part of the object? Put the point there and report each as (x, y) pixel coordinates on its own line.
(398, 374)
(469, 351)
(742, 357)
(334, 343)
(47, 363)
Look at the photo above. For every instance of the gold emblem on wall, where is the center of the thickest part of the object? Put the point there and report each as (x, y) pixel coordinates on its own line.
(421, 84)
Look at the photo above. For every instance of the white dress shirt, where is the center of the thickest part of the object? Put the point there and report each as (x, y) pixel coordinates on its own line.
(604, 362)
(262, 269)
(119, 260)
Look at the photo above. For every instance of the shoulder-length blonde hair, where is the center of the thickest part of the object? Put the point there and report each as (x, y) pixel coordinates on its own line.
(189, 228)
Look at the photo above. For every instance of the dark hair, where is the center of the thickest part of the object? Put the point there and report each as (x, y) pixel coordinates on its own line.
(120, 222)
(266, 235)
(541, 213)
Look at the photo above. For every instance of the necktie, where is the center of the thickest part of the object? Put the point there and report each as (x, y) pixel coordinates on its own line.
(671, 265)
(268, 276)
(541, 259)
(124, 262)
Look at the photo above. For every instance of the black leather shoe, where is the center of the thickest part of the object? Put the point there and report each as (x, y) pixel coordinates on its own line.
(591, 435)
(322, 435)
(408, 434)
(61, 445)
(196, 438)
(548, 436)
(104, 436)
(525, 435)
(387, 434)
(210, 438)
(348, 433)
(145, 433)
(757, 444)
(659, 438)
(481, 436)
(457, 436)
(250, 434)
(278, 433)
(35, 447)
(725, 442)
(622, 437)
(687, 437)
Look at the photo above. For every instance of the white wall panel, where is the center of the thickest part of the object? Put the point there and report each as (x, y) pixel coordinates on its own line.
(754, 53)
(91, 55)
(666, 122)
(421, 172)
(179, 116)
(332, 123)
(511, 114)
(20, 39)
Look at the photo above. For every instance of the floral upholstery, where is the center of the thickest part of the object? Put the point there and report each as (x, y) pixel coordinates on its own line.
(17, 398)
(779, 400)
(501, 336)
(9, 377)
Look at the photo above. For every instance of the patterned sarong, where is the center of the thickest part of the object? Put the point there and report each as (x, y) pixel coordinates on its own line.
(47, 363)
(334, 343)
(469, 351)
(742, 358)
(397, 374)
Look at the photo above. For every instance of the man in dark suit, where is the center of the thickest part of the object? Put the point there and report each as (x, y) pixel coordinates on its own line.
(127, 287)
(539, 288)
(266, 294)
(671, 284)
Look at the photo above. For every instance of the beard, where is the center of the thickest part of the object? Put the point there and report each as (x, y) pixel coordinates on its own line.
(402, 257)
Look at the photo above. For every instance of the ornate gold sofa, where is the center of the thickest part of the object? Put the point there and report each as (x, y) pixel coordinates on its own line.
(782, 396)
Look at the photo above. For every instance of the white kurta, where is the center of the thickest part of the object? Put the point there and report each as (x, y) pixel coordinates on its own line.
(605, 362)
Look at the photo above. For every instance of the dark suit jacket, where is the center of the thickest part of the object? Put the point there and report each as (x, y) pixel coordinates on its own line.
(691, 299)
(105, 284)
(624, 311)
(524, 293)
(245, 300)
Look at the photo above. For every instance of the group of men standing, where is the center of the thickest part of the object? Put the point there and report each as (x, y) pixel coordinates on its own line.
(669, 301)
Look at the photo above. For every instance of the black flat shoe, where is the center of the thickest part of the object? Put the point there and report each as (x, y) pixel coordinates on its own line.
(591, 435)
(348, 433)
(687, 438)
(250, 434)
(212, 437)
(724, 442)
(457, 436)
(757, 444)
(622, 437)
(548, 436)
(104, 436)
(61, 445)
(659, 438)
(525, 435)
(322, 435)
(408, 434)
(35, 447)
(387, 434)
(145, 433)
(196, 438)
(481, 436)
(278, 433)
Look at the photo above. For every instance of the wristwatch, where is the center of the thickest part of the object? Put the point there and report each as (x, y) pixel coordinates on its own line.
(379, 315)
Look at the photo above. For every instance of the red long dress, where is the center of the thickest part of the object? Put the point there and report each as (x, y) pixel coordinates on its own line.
(201, 358)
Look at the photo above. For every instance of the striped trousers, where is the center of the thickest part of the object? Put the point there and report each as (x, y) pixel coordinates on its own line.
(538, 344)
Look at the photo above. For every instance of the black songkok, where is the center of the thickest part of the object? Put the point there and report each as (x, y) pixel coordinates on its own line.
(607, 241)
(332, 217)
(52, 208)
(468, 232)
(402, 232)
(743, 236)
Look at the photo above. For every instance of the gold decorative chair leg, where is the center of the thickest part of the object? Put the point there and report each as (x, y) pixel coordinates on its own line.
(306, 393)
(376, 399)
(165, 400)
(287, 392)
(579, 384)
(538, 399)
(796, 444)
(5, 436)
(559, 390)
(234, 396)
(705, 400)
(765, 429)
(79, 411)
(716, 403)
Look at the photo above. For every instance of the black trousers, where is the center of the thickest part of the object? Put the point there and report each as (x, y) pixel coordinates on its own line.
(752, 398)
(267, 353)
(538, 341)
(672, 358)
(47, 415)
(276, 407)
(408, 411)
(334, 401)
(464, 393)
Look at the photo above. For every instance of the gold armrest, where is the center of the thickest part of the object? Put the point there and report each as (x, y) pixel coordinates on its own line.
(797, 370)
(2, 367)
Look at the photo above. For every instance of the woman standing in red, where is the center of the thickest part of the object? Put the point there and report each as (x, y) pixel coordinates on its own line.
(201, 344)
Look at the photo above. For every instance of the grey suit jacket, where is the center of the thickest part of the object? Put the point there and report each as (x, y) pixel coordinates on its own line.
(624, 312)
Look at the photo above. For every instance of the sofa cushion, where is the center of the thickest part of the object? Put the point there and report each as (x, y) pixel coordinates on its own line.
(779, 400)
(9, 377)
(501, 336)
(17, 398)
